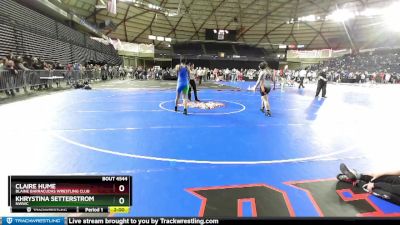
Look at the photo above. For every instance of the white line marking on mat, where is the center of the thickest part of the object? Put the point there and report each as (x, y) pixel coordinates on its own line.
(293, 160)
(116, 111)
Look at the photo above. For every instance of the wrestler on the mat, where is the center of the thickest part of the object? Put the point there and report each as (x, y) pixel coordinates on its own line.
(265, 88)
(182, 86)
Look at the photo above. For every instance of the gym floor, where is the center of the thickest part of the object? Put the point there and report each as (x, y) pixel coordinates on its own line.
(226, 162)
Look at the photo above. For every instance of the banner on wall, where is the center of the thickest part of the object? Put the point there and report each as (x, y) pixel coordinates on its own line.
(112, 6)
(133, 49)
(309, 54)
(145, 48)
(339, 53)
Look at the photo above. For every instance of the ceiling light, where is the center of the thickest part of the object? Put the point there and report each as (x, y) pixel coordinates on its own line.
(391, 17)
(371, 12)
(310, 18)
(341, 15)
(152, 37)
(160, 38)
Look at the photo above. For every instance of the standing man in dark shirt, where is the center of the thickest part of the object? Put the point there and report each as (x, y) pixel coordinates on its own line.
(322, 82)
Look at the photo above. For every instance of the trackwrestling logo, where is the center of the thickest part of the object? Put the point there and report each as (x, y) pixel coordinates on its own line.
(33, 220)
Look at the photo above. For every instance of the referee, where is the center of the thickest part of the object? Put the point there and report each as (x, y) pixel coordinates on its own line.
(322, 82)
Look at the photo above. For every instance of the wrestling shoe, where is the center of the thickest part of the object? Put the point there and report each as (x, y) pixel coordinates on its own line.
(262, 110)
(185, 111)
(176, 108)
(350, 173)
(344, 178)
(268, 113)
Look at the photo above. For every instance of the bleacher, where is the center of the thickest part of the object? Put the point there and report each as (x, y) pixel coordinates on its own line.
(188, 49)
(25, 31)
(206, 54)
(70, 35)
(215, 48)
(27, 17)
(7, 42)
(249, 51)
(375, 61)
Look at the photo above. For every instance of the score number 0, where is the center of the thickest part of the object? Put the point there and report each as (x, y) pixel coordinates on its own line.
(121, 200)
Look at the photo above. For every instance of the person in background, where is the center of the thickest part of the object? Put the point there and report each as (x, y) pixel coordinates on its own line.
(302, 76)
(3, 62)
(387, 77)
(215, 74)
(192, 83)
(110, 71)
(382, 184)
(10, 66)
(208, 76)
(233, 75)
(143, 75)
(10, 56)
(274, 76)
(200, 73)
(20, 66)
(363, 76)
(322, 82)
(226, 74)
(241, 75)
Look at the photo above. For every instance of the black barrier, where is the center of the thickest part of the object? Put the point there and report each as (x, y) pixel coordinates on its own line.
(44, 78)
(10, 80)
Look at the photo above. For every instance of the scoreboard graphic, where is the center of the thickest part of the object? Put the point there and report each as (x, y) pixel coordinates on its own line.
(70, 194)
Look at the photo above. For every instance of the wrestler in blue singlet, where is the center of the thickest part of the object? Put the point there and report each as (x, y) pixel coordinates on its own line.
(182, 86)
(183, 80)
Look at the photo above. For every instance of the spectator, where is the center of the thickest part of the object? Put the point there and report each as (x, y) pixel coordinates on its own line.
(382, 184)
(3, 63)
(10, 80)
(20, 66)
(192, 83)
(302, 75)
(322, 82)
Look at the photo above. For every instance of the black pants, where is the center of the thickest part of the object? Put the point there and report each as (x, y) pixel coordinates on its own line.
(302, 85)
(200, 78)
(388, 183)
(321, 85)
(192, 85)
